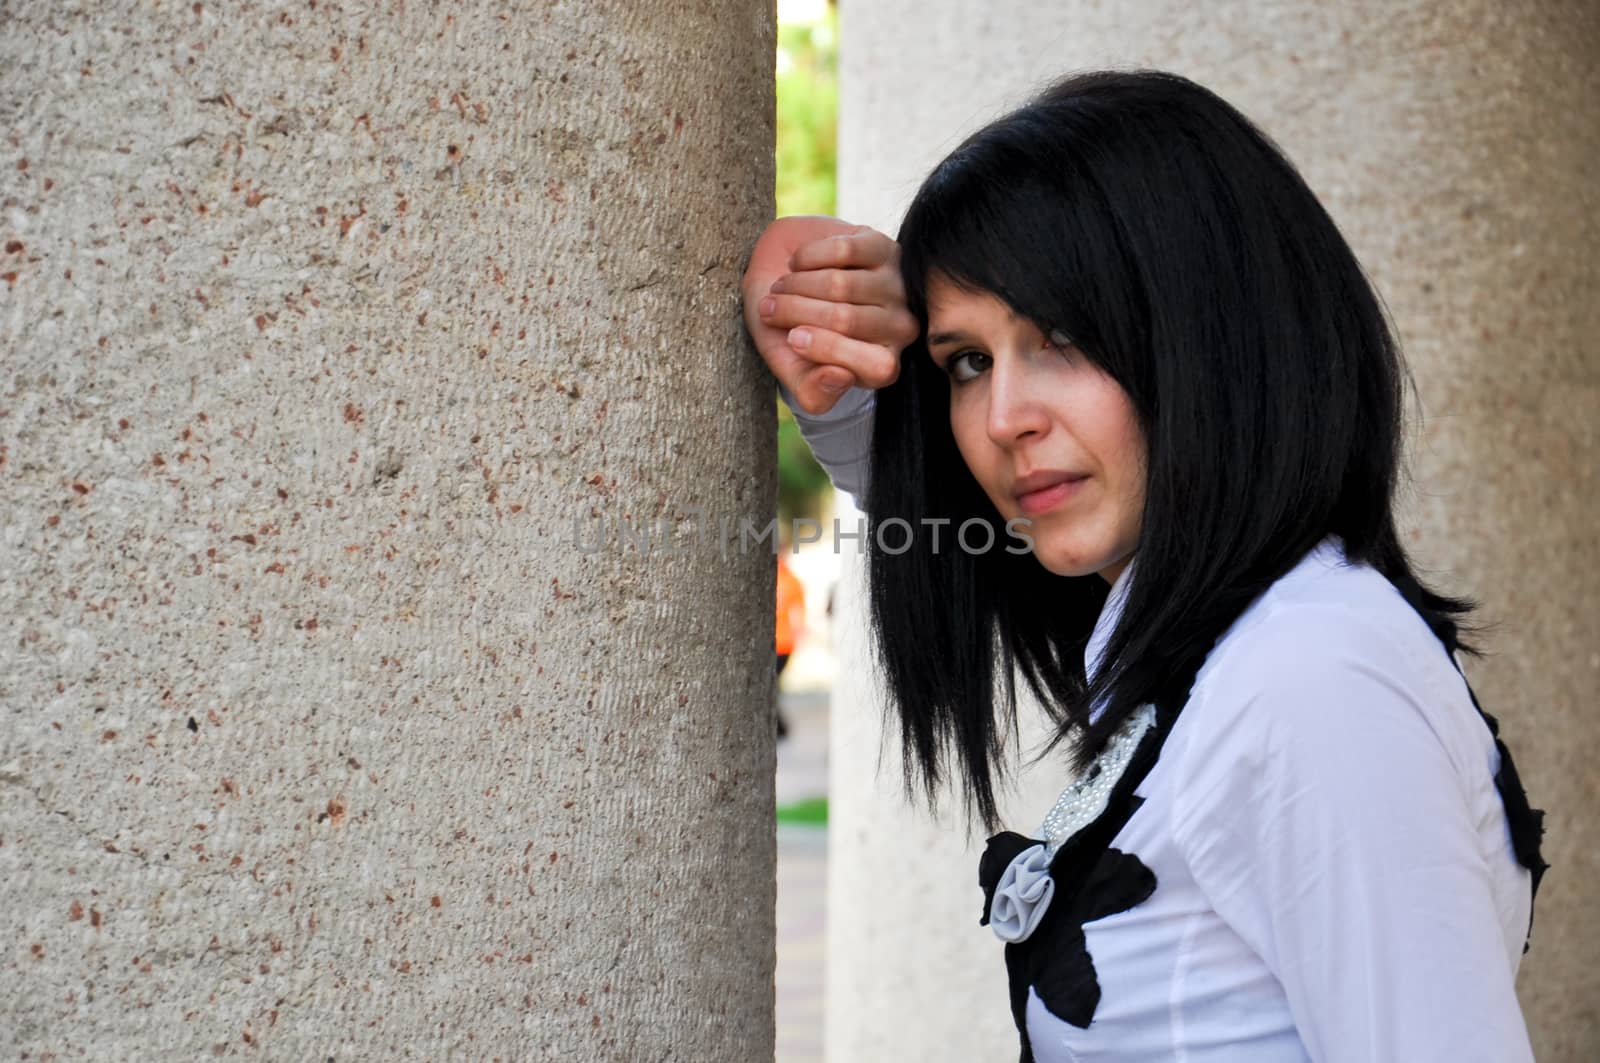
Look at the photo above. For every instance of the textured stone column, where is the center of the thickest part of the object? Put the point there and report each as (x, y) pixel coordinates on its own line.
(324, 733)
(1456, 144)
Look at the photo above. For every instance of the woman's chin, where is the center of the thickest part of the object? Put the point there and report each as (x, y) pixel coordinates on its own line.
(1060, 561)
(1068, 565)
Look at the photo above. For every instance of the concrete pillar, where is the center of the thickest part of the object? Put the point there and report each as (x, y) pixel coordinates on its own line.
(321, 735)
(1456, 144)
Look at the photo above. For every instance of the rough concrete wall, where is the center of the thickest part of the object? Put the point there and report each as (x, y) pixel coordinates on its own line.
(320, 736)
(1456, 144)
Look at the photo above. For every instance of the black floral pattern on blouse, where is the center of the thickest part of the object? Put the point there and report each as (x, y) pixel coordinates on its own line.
(1054, 961)
(1092, 880)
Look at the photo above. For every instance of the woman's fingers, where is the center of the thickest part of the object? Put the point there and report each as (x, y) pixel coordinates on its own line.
(817, 389)
(864, 287)
(857, 306)
(872, 324)
(863, 248)
(869, 365)
(815, 382)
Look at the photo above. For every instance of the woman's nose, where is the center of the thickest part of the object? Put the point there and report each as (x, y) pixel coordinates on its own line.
(1016, 407)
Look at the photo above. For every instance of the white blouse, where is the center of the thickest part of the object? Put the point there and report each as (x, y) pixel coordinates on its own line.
(1334, 872)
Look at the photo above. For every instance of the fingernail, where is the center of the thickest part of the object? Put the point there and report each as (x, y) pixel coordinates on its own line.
(768, 306)
(800, 339)
(835, 389)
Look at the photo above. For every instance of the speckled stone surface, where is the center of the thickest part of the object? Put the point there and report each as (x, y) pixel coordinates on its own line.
(320, 735)
(1457, 145)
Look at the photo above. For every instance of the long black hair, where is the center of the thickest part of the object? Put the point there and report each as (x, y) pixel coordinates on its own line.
(1172, 241)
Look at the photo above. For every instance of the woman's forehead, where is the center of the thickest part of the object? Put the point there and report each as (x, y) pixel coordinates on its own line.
(950, 303)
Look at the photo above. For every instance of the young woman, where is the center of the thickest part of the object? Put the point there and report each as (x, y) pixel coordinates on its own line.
(1119, 320)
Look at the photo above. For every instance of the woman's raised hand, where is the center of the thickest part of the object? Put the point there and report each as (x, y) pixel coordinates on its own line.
(826, 307)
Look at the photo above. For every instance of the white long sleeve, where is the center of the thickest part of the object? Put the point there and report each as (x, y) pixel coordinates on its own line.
(841, 439)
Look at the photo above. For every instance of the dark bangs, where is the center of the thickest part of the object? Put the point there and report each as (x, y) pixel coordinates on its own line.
(1150, 222)
(1014, 213)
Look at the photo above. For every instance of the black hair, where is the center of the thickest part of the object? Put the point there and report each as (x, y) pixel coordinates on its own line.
(1153, 224)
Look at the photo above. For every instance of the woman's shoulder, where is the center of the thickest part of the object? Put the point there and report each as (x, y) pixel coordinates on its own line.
(1325, 612)
(1332, 654)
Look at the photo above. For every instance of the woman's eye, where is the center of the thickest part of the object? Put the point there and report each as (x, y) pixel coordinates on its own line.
(954, 366)
(1061, 342)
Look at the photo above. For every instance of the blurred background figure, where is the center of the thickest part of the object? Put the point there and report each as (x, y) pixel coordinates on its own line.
(791, 623)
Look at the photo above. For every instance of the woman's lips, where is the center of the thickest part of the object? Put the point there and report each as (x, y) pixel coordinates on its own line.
(1035, 502)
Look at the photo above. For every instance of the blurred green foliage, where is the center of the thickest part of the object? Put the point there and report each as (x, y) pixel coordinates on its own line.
(811, 811)
(808, 116)
(807, 165)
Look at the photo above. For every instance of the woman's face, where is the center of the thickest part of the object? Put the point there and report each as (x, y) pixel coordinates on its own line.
(1024, 409)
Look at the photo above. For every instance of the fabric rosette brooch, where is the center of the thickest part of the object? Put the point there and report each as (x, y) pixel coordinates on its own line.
(1023, 894)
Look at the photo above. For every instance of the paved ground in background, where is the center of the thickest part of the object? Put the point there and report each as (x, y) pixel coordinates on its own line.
(802, 880)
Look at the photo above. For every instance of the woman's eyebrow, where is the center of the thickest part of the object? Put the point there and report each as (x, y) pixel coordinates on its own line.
(938, 339)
